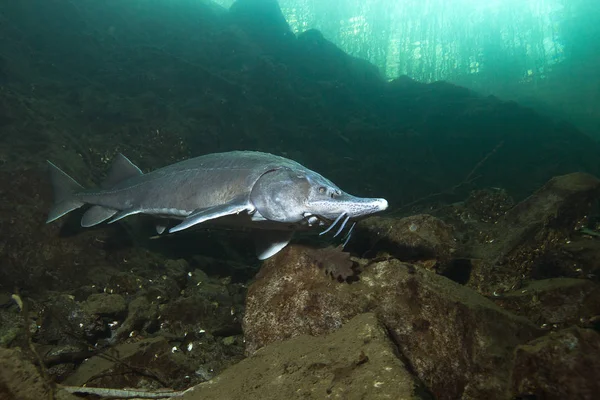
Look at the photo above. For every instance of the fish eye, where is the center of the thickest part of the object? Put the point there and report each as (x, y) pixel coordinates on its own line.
(322, 189)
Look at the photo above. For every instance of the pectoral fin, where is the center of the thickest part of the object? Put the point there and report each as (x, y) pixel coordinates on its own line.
(205, 214)
(269, 243)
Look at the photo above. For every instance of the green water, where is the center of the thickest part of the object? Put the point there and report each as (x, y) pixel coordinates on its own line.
(543, 53)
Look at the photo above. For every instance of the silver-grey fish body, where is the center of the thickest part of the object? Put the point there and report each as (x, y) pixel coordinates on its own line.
(240, 188)
(179, 189)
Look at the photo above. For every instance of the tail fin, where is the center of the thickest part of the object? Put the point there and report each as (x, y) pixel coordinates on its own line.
(64, 187)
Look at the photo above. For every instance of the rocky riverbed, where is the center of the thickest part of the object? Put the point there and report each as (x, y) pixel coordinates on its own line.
(481, 281)
(465, 302)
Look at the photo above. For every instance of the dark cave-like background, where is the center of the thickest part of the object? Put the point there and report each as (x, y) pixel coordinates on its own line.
(161, 81)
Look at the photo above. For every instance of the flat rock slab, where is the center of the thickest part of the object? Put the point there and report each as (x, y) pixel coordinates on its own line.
(529, 242)
(554, 303)
(454, 339)
(562, 365)
(137, 364)
(357, 361)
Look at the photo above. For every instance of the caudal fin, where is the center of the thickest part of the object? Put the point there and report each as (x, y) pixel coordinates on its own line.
(63, 187)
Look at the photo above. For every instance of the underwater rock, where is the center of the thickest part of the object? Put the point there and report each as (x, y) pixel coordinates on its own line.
(557, 206)
(61, 360)
(207, 304)
(554, 303)
(561, 365)
(64, 321)
(529, 241)
(197, 313)
(358, 361)
(105, 305)
(420, 239)
(178, 271)
(162, 283)
(291, 295)
(148, 363)
(455, 340)
(60, 372)
(584, 249)
(20, 379)
(197, 277)
(141, 316)
(124, 283)
(488, 205)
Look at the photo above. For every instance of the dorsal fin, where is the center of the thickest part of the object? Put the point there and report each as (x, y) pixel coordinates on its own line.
(120, 170)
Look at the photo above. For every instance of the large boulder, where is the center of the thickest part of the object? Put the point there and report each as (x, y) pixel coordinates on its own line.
(532, 240)
(146, 363)
(563, 365)
(454, 339)
(356, 362)
(554, 303)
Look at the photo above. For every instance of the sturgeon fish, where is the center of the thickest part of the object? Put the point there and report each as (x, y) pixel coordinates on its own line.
(272, 194)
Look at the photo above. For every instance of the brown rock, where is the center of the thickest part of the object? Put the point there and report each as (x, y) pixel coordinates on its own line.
(200, 312)
(420, 239)
(544, 220)
(585, 254)
(356, 362)
(64, 321)
(141, 315)
(105, 304)
(529, 242)
(455, 340)
(487, 205)
(20, 380)
(148, 363)
(552, 303)
(293, 296)
(561, 365)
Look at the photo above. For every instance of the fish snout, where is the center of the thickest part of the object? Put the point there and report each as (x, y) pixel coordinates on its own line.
(381, 204)
(359, 207)
(351, 208)
(366, 207)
